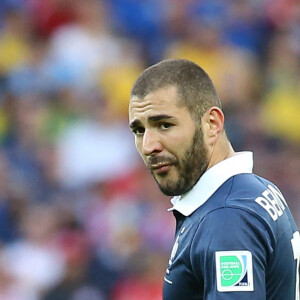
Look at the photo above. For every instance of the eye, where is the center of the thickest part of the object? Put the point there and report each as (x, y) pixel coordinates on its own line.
(165, 126)
(138, 131)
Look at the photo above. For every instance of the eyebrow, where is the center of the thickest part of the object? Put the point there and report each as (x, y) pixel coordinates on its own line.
(157, 118)
(134, 124)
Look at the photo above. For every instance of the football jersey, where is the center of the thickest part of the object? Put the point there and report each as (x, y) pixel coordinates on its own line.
(235, 238)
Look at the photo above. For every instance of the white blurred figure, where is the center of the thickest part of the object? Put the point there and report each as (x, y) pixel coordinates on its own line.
(90, 152)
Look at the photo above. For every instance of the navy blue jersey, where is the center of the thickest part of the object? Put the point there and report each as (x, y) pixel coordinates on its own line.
(235, 239)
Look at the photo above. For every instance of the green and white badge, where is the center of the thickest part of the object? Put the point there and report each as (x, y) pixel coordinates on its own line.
(234, 271)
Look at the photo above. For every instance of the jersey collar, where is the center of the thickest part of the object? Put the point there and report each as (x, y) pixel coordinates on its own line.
(211, 180)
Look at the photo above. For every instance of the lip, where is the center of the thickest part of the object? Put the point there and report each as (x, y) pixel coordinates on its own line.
(161, 168)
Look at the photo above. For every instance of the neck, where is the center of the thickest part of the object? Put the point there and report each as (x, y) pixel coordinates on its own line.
(221, 150)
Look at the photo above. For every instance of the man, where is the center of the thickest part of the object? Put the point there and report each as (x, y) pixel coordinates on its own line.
(235, 235)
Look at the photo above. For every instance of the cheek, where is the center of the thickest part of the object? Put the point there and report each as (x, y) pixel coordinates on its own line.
(138, 145)
(178, 146)
(184, 140)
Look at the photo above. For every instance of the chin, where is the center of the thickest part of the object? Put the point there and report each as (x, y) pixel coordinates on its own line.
(166, 189)
(169, 185)
(175, 188)
(170, 190)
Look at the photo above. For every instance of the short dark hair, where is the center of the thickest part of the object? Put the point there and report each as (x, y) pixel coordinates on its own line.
(195, 88)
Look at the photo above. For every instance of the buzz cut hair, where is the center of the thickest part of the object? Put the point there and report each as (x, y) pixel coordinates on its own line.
(195, 89)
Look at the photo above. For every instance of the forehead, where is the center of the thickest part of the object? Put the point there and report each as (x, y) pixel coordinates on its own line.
(162, 101)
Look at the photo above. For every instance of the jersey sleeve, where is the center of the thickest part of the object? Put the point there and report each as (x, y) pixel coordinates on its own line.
(229, 253)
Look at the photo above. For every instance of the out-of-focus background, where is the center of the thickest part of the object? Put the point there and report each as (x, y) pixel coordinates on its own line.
(80, 217)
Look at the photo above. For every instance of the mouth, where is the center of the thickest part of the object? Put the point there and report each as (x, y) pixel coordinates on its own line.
(160, 168)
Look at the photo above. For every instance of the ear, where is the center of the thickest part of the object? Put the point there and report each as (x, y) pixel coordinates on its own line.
(212, 124)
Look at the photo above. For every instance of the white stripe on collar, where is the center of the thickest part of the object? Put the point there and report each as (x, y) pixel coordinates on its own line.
(211, 180)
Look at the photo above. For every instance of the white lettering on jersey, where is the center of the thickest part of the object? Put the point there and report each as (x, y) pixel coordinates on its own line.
(273, 202)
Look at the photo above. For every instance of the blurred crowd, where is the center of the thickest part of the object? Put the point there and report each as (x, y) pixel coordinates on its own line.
(80, 217)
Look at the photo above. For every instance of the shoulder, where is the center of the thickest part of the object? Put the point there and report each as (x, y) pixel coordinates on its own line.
(229, 227)
(235, 216)
(252, 195)
(246, 210)
(257, 196)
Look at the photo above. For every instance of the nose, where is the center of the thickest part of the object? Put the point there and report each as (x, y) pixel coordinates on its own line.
(151, 143)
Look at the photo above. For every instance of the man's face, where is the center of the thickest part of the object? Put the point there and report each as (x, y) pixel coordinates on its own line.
(168, 140)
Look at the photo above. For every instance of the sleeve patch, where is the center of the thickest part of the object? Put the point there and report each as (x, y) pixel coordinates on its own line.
(234, 271)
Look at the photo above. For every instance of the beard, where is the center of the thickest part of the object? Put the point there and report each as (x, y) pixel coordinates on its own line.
(189, 168)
